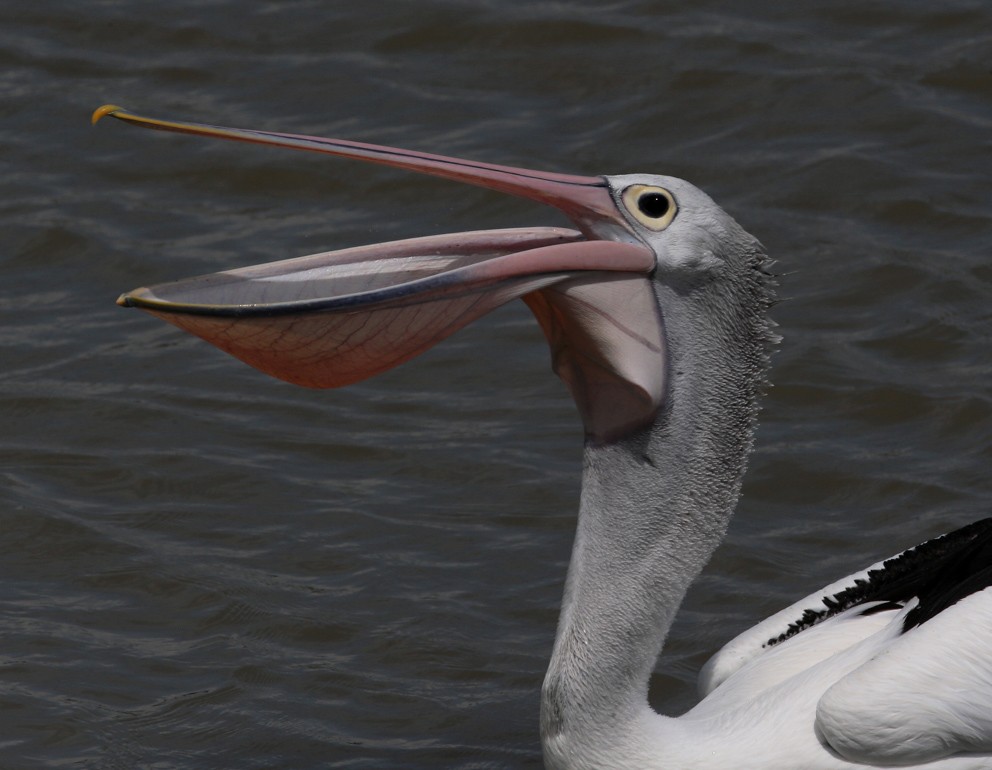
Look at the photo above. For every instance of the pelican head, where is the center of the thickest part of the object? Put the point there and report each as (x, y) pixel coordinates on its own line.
(331, 319)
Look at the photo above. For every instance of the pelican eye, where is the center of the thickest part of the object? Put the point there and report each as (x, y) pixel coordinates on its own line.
(654, 207)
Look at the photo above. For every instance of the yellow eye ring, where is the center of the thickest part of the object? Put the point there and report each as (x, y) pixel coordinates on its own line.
(654, 207)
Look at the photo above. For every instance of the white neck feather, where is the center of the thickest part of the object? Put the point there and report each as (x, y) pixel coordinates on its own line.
(654, 506)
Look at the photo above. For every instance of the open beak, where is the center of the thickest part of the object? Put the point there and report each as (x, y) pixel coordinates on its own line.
(331, 319)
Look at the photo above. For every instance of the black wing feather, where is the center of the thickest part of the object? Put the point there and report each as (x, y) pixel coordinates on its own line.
(939, 572)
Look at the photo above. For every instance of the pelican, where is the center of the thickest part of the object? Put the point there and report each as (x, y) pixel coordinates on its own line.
(655, 310)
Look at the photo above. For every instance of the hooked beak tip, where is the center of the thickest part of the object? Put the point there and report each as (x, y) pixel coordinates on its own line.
(124, 300)
(107, 109)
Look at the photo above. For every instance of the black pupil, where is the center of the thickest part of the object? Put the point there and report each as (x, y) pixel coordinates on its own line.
(654, 205)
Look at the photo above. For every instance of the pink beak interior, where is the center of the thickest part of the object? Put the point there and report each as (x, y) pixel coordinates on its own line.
(336, 318)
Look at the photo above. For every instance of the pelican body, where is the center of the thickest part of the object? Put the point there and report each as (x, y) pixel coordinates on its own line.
(654, 308)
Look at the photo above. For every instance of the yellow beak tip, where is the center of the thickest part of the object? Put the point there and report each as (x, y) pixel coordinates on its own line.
(107, 109)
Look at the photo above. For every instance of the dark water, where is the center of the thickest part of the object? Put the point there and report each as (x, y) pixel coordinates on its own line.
(204, 568)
